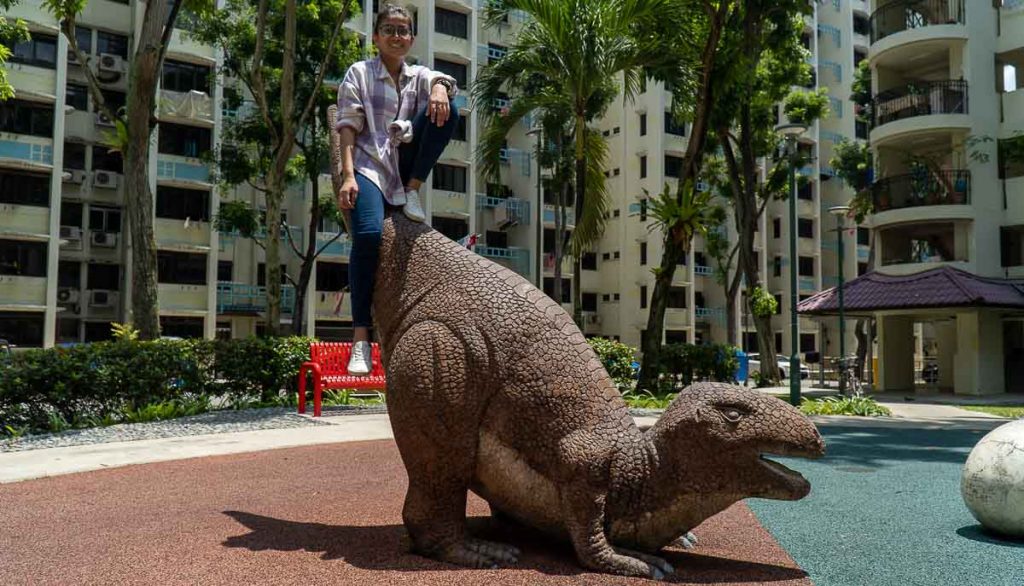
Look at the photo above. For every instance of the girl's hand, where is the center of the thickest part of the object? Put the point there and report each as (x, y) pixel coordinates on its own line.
(348, 193)
(438, 108)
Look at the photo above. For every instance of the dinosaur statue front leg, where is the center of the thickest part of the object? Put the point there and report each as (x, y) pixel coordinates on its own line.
(436, 426)
(584, 515)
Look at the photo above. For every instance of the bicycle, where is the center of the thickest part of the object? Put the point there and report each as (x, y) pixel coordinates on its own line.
(849, 383)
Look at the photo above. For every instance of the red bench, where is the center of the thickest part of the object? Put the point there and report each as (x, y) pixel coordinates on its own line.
(328, 363)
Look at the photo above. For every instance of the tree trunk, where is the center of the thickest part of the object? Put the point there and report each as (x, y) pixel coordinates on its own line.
(275, 192)
(581, 185)
(306, 270)
(650, 343)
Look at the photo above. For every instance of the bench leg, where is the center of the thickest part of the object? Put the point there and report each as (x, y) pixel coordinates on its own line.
(317, 389)
(302, 390)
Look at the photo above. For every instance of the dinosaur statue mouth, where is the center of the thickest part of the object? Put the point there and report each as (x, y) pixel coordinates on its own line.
(794, 485)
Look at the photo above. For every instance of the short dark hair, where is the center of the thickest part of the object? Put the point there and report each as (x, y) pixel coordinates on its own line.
(391, 11)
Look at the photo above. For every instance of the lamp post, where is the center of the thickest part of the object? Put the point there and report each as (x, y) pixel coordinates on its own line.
(791, 132)
(538, 255)
(840, 213)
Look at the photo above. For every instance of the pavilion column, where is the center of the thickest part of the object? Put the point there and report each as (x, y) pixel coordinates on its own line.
(978, 365)
(945, 338)
(896, 349)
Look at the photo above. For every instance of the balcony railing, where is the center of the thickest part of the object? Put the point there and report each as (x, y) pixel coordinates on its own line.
(951, 187)
(905, 15)
(240, 298)
(920, 99)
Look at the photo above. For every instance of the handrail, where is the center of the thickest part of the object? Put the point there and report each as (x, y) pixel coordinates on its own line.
(946, 187)
(920, 99)
(904, 15)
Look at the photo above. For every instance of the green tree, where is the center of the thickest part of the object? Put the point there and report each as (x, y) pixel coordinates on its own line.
(281, 53)
(134, 128)
(571, 55)
(247, 156)
(10, 33)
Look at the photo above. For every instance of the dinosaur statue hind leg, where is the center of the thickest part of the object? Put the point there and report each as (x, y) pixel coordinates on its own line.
(434, 419)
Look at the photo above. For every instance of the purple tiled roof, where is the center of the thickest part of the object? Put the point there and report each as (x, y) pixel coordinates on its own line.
(940, 287)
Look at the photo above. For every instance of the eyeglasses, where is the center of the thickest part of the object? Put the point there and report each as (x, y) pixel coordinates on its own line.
(390, 30)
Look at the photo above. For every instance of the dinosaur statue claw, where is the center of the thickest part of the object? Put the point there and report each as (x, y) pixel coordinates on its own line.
(688, 541)
(658, 567)
(478, 553)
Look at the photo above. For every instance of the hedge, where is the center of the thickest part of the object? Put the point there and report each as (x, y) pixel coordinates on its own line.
(106, 378)
(683, 364)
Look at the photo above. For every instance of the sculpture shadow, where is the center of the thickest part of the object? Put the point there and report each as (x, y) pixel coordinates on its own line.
(980, 534)
(386, 547)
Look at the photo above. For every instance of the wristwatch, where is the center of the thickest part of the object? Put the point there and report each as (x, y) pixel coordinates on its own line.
(447, 84)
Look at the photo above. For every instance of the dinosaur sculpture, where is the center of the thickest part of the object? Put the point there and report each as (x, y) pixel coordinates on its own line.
(492, 388)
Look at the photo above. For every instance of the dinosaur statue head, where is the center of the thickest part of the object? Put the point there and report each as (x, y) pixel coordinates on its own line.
(729, 432)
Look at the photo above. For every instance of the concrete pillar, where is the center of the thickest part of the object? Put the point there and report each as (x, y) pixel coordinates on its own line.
(56, 192)
(945, 337)
(978, 365)
(896, 359)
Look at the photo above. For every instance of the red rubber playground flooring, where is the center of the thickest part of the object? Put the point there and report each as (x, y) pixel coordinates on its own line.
(328, 514)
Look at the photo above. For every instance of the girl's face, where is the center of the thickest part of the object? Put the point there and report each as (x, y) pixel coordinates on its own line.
(393, 37)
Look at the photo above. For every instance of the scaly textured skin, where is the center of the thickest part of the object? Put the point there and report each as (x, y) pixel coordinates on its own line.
(493, 388)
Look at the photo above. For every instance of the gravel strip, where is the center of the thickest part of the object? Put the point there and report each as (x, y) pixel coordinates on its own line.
(221, 421)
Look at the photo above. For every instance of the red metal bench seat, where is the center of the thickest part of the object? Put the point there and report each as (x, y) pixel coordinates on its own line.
(328, 364)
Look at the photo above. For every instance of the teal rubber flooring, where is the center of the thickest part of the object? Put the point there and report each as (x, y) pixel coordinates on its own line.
(885, 509)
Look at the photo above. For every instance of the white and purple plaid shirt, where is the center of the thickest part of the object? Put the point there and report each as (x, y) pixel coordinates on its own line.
(368, 102)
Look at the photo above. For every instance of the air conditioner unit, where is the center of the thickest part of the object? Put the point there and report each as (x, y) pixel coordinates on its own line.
(67, 295)
(71, 232)
(106, 179)
(104, 239)
(111, 63)
(76, 176)
(100, 298)
(103, 120)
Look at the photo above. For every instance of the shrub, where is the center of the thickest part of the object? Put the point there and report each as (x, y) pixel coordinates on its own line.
(683, 364)
(617, 359)
(859, 406)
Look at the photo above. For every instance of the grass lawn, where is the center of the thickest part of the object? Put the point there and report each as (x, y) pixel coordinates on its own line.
(1011, 412)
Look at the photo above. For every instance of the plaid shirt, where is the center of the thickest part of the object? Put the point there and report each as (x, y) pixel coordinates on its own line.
(368, 102)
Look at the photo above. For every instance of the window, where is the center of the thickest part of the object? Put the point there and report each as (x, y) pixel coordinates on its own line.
(672, 127)
(643, 210)
(495, 52)
(615, 297)
(676, 336)
(589, 261)
(179, 76)
(450, 178)
(615, 255)
(806, 266)
(180, 268)
(77, 96)
(778, 340)
(461, 128)
(74, 156)
(677, 297)
(84, 37)
(643, 253)
(180, 204)
(807, 343)
(103, 219)
(863, 236)
(456, 70)
(26, 118)
(778, 303)
(673, 166)
(862, 267)
(225, 271)
(606, 298)
(184, 141)
(112, 43)
(643, 125)
(114, 99)
(22, 258)
(643, 166)
(777, 266)
(331, 276)
(549, 289)
(451, 23)
(27, 189)
(453, 228)
(589, 301)
(104, 159)
(606, 256)
(496, 238)
(40, 50)
(643, 297)
(103, 276)
(181, 327)
(805, 228)
(22, 328)
(776, 227)
(261, 274)
(69, 274)
(71, 214)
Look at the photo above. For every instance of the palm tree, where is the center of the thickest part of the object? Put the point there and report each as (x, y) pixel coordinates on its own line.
(566, 64)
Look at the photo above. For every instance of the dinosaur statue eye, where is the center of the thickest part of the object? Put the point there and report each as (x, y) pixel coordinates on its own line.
(732, 415)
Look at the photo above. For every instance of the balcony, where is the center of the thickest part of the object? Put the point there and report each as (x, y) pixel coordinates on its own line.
(182, 299)
(242, 299)
(947, 187)
(22, 293)
(332, 305)
(548, 260)
(173, 169)
(920, 99)
(191, 235)
(549, 216)
(341, 246)
(905, 15)
(806, 284)
(26, 152)
(449, 203)
(703, 271)
(710, 314)
(517, 259)
(24, 220)
(187, 107)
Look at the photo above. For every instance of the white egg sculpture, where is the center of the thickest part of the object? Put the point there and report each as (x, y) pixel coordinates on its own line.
(992, 484)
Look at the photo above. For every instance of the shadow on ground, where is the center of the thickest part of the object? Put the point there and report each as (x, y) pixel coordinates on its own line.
(979, 533)
(386, 547)
(869, 448)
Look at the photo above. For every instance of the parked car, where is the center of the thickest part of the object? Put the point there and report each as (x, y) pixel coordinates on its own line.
(755, 366)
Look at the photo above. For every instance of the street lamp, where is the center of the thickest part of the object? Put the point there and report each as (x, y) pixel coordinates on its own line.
(538, 132)
(840, 212)
(790, 133)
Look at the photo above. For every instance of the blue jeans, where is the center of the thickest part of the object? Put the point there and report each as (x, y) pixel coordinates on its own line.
(415, 161)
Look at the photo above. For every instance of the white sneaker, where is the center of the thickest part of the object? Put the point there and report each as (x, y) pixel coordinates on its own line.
(413, 210)
(360, 362)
